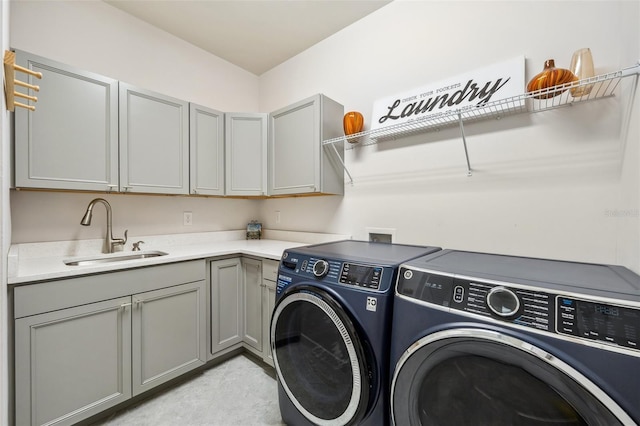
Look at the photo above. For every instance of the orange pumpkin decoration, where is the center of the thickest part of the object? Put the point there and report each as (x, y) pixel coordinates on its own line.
(353, 122)
(550, 77)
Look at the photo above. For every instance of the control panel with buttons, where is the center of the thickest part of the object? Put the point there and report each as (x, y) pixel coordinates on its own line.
(366, 276)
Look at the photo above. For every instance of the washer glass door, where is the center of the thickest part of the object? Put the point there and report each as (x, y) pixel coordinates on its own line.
(478, 377)
(319, 358)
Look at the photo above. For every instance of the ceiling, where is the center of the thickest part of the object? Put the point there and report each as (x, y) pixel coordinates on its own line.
(255, 35)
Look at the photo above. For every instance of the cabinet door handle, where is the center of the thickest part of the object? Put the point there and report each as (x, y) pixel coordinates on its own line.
(125, 305)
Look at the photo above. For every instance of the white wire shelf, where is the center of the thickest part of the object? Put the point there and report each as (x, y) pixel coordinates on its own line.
(602, 86)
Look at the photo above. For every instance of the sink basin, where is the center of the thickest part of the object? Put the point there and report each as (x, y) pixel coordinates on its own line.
(113, 257)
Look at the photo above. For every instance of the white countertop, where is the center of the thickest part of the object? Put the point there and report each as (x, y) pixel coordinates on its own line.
(45, 261)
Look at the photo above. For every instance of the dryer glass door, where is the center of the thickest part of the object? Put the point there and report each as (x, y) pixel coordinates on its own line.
(319, 359)
(469, 377)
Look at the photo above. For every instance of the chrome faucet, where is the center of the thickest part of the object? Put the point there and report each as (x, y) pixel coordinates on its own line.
(112, 243)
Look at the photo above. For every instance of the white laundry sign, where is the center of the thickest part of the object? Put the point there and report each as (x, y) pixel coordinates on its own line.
(468, 91)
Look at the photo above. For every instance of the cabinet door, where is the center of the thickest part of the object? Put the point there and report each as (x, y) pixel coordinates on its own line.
(169, 334)
(154, 142)
(252, 283)
(246, 154)
(268, 304)
(226, 304)
(294, 147)
(298, 162)
(206, 146)
(72, 363)
(71, 140)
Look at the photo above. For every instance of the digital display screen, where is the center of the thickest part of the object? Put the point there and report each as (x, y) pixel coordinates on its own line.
(361, 275)
(613, 311)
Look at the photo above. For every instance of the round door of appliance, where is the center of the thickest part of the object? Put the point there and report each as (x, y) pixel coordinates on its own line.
(319, 357)
(482, 377)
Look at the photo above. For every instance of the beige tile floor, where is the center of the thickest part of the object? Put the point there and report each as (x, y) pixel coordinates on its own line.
(238, 391)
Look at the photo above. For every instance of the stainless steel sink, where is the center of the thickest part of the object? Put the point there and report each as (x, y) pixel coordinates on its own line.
(113, 257)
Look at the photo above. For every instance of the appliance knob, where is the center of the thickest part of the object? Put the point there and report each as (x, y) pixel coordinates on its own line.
(503, 302)
(321, 268)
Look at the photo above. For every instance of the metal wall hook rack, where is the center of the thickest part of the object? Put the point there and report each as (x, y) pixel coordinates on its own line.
(10, 82)
(593, 88)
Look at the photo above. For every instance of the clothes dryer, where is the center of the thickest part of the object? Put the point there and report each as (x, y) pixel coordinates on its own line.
(482, 339)
(331, 329)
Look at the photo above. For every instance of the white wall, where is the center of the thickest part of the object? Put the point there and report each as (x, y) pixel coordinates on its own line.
(94, 36)
(5, 225)
(542, 183)
(97, 37)
(55, 216)
(627, 221)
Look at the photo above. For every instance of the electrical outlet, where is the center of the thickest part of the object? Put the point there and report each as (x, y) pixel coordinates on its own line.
(188, 218)
(277, 216)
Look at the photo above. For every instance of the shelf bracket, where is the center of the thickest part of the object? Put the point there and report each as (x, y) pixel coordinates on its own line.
(342, 162)
(464, 143)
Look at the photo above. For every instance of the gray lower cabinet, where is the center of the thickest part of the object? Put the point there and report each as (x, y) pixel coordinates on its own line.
(252, 284)
(154, 142)
(71, 140)
(206, 147)
(226, 304)
(298, 162)
(85, 344)
(269, 274)
(246, 154)
(72, 363)
(169, 334)
(242, 300)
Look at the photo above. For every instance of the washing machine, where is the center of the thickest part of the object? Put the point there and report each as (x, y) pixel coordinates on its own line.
(331, 329)
(484, 339)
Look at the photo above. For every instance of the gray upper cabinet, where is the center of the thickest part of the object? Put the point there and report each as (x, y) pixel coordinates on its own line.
(246, 154)
(71, 140)
(206, 146)
(154, 142)
(93, 133)
(298, 162)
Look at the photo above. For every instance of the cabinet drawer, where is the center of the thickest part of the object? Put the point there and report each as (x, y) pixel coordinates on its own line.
(270, 270)
(52, 295)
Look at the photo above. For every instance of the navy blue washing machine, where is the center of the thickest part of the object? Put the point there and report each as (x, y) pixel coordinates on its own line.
(331, 330)
(482, 339)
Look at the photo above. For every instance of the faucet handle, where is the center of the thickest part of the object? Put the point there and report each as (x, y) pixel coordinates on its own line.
(136, 246)
(119, 241)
